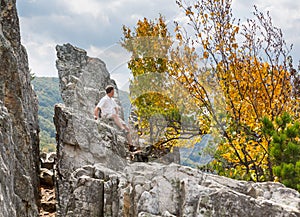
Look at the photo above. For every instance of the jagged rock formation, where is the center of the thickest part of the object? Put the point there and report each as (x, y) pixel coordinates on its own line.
(82, 79)
(19, 143)
(95, 179)
(81, 140)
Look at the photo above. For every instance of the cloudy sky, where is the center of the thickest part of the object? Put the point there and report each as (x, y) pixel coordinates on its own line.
(96, 26)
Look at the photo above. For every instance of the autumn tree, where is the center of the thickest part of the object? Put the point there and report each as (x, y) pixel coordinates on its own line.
(249, 70)
(160, 101)
(233, 74)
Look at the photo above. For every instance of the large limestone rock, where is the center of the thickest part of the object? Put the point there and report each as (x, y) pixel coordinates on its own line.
(82, 140)
(95, 179)
(19, 144)
(82, 79)
(154, 189)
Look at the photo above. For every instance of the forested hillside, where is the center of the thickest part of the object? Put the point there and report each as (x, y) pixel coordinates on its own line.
(47, 90)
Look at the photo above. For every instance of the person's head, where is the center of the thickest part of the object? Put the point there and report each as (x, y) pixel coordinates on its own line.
(109, 90)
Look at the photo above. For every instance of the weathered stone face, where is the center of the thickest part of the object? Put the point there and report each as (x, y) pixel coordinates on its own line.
(82, 79)
(7, 207)
(95, 179)
(154, 189)
(19, 143)
(82, 140)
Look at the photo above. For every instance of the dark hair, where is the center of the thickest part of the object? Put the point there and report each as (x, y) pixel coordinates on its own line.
(109, 88)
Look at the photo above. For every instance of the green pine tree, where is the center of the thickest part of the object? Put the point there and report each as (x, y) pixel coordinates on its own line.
(285, 149)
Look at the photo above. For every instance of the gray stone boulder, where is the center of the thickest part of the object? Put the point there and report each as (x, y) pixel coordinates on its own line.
(154, 189)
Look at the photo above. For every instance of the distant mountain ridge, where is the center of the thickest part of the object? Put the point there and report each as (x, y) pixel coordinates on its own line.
(47, 90)
(196, 156)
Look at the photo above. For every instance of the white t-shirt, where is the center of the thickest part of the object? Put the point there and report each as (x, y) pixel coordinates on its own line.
(107, 106)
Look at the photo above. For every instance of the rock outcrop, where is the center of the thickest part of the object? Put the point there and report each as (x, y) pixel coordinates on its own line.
(82, 140)
(19, 143)
(152, 189)
(95, 179)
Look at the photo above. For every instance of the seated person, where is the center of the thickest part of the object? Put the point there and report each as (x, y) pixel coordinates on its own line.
(109, 109)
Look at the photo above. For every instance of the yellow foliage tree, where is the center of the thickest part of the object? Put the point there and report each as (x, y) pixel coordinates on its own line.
(159, 101)
(250, 74)
(230, 77)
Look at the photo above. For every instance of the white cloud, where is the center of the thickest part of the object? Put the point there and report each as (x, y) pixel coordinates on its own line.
(88, 8)
(43, 55)
(96, 26)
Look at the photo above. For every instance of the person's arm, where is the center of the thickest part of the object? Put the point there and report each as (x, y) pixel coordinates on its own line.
(98, 108)
(116, 107)
(117, 110)
(96, 112)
